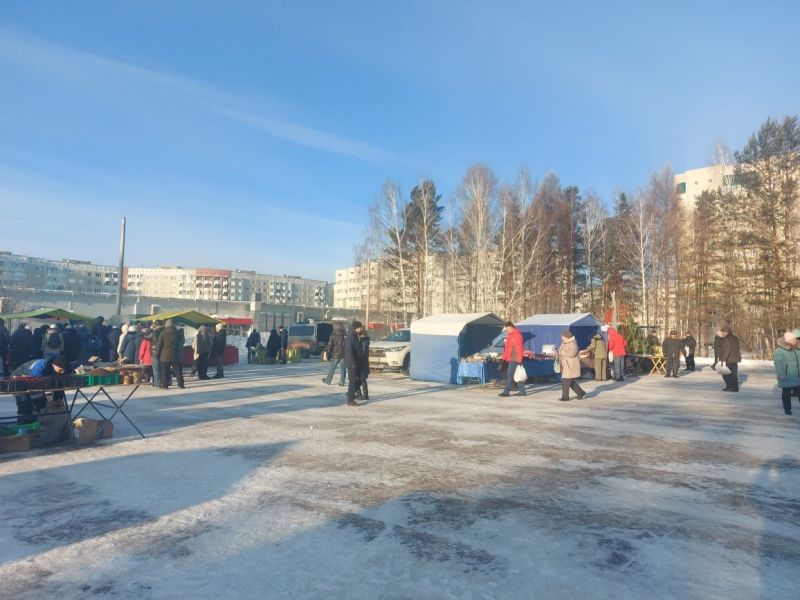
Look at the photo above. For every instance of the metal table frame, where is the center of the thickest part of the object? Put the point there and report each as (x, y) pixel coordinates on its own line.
(91, 400)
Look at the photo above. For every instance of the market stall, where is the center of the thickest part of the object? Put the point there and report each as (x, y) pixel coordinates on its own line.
(439, 342)
(50, 315)
(543, 330)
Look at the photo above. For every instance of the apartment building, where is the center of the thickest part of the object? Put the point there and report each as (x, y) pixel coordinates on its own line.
(690, 184)
(27, 272)
(225, 284)
(354, 284)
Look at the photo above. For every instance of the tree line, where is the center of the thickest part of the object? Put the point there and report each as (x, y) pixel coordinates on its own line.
(727, 257)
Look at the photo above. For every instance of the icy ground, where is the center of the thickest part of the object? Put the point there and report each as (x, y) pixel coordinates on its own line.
(264, 485)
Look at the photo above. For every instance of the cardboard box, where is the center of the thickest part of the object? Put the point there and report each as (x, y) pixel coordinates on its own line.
(85, 430)
(15, 443)
(108, 430)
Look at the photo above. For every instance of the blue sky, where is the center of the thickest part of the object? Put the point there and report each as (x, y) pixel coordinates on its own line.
(255, 134)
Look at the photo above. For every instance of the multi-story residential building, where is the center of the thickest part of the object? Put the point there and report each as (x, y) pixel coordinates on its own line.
(225, 284)
(27, 272)
(24, 272)
(354, 285)
(690, 184)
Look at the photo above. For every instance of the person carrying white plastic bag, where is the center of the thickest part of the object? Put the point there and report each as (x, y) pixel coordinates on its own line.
(512, 354)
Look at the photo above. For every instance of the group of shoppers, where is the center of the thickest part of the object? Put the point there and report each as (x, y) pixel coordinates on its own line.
(349, 352)
(275, 349)
(209, 350)
(47, 341)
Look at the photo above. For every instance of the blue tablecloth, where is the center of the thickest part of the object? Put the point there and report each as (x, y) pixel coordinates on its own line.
(539, 367)
(468, 370)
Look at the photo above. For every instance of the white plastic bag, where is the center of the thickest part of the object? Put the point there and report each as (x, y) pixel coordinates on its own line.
(723, 370)
(557, 366)
(520, 374)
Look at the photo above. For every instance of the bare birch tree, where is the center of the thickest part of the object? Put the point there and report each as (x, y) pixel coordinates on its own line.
(594, 217)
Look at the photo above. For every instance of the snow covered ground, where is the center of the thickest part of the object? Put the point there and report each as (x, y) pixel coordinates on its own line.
(264, 485)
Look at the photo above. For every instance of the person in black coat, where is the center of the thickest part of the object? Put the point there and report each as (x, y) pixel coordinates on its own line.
(273, 345)
(36, 344)
(5, 339)
(717, 350)
(689, 344)
(169, 350)
(671, 347)
(335, 352)
(252, 344)
(218, 350)
(353, 361)
(283, 334)
(19, 347)
(100, 332)
(363, 372)
(72, 343)
(112, 341)
(730, 355)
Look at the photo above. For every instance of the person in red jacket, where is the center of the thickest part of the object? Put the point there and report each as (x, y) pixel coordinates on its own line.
(144, 353)
(618, 347)
(512, 355)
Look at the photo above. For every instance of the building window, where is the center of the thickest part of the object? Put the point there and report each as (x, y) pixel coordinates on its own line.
(681, 188)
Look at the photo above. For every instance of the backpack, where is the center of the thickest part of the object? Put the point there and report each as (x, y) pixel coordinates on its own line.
(53, 341)
(94, 344)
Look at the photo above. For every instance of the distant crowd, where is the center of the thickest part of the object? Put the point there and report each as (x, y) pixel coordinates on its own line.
(157, 346)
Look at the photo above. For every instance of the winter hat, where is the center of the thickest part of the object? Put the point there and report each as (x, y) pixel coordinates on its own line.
(789, 337)
(219, 326)
(53, 328)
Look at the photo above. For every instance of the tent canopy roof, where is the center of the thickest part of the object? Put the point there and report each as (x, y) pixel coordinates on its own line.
(577, 319)
(192, 318)
(452, 323)
(50, 314)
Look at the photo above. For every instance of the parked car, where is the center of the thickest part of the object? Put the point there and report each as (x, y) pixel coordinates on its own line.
(393, 353)
(310, 338)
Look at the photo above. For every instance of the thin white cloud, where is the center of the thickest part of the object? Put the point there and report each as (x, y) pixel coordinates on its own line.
(87, 69)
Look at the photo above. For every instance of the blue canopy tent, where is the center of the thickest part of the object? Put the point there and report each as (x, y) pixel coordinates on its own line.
(439, 341)
(540, 330)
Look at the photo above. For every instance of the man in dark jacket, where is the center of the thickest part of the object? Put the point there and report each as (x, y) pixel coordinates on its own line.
(98, 339)
(5, 339)
(19, 347)
(335, 352)
(717, 350)
(38, 337)
(730, 355)
(671, 348)
(283, 334)
(112, 340)
(168, 349)
(155, 333)
(352, 359)
(252, 344)
(689, 345)
(72, 343)
(218, 350)
(273, 346)
(363, 371)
